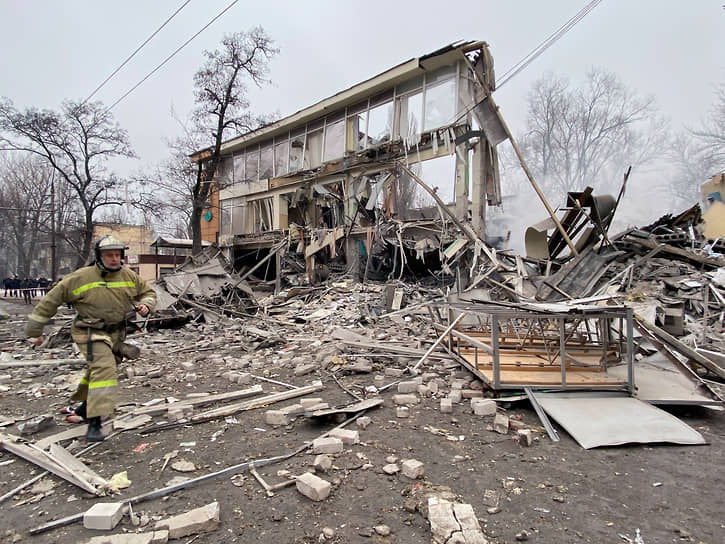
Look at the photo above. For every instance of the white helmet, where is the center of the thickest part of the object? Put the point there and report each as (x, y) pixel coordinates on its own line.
(104, 244)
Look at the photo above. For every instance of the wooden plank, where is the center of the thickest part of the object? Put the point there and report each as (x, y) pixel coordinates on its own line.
(573, 377)
(69, 434)
(162, 407)
(74, 464)
(675, 344)
(37, 457)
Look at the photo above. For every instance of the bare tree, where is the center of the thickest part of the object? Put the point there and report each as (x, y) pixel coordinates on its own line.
(589, 135)
(77, 143)
(25, 207)
(222, 105)
(711, 134)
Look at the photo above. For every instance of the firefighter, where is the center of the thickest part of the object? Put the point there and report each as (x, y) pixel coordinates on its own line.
(101, 293)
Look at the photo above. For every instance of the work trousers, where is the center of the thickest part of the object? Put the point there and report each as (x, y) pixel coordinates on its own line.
(99, 386)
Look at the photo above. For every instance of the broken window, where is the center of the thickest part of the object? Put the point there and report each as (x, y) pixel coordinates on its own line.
(380, 121)
(413, 202)
(411, 113)
(239, 215)
(297, 147)
(281, 154)
(334, 140)
(266, 162)
(262, 214)
(225, 172)
(357, 116)
(313, 149)
(251, 165)
(440, 104)
(232, 216)
(239, 168)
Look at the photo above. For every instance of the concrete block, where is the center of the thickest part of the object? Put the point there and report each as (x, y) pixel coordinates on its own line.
(103, 515)
(516, 424)
(309, 402)
(391, 468)
(363, 422)
(322, 463)
(446, 406)
(402, 411)
(152, 537)
(200, 520)
(327, 445)
(305, 368)
(410, 386)
(501, 424)
(526, 437)
(293, 410)
(313, 487)
(424, 391)
(276, 417)
(412, 468)
(471, 394)
(174, 414)
(394, 372)
(402, 400)
(347, 437)
(483, 407)
(244, 378)
(455, 396)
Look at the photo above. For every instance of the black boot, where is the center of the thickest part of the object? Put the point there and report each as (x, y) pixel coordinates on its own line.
(80, 410)
(94, 434)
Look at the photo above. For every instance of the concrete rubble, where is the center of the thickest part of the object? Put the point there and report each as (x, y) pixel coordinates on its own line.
(221, 353)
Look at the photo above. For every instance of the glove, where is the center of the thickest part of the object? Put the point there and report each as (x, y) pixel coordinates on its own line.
(33, 329)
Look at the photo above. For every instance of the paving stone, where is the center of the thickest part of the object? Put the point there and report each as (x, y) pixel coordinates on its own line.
(200, 520)
(103, 515)
(483, 407)
(313, 487)
(327, 445)
(348, 437)
(412, 468)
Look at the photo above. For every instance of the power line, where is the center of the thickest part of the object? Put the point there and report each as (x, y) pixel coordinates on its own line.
(137, 50)
(172, 55)
(548, 42)
(538, 50)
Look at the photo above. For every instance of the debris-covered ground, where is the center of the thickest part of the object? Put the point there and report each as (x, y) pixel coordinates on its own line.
(341, 334)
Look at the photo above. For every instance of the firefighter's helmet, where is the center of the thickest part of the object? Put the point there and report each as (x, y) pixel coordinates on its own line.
(105, 243)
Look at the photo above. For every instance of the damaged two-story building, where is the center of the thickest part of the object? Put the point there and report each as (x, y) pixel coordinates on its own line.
(370, 180)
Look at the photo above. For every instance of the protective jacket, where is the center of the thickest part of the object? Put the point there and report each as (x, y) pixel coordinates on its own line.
(101, 300)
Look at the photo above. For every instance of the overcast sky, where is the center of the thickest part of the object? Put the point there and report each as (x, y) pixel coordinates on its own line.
(53, 50)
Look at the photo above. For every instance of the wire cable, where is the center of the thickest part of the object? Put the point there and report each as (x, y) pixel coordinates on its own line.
(548, 42)
(172, 55)
(134, 53)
